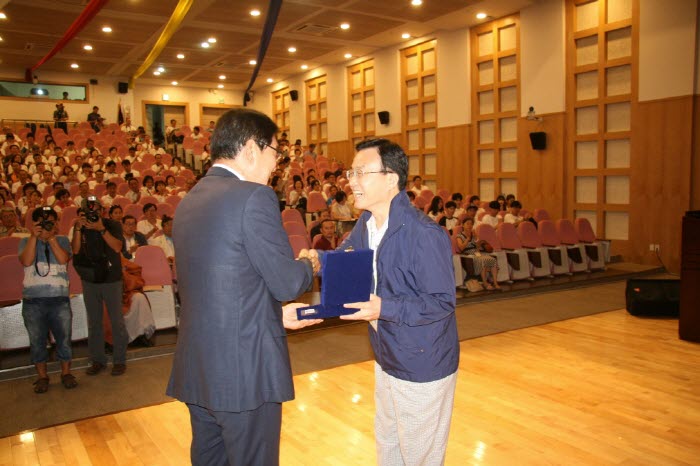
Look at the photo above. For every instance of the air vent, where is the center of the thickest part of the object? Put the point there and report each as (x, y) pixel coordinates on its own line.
(315, 29)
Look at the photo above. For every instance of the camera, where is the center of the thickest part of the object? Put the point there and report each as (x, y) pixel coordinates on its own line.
(45, 220)
(92, 209)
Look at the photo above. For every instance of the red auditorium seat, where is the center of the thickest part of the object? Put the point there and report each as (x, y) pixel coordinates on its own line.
(518, 263)
(595, 250)
(557, 252)
(574, 249)
(537, 254)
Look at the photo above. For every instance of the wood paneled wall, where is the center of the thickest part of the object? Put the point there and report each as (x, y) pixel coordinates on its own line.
(695, 162)
(541, 173)
(660, 178)
(453, 153)
(342, 151)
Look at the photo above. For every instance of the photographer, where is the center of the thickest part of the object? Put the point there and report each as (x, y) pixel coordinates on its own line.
(97, 243)
(45, 299)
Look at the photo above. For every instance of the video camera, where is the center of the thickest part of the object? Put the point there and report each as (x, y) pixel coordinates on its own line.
(46, 218)
(92, 209)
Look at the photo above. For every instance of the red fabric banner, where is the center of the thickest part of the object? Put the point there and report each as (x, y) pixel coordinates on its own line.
(80, 22)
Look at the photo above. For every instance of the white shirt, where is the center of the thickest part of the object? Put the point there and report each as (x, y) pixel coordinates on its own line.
(145, 227)
(375, 236)
(489, 220)
(510, 218)
(165, 243)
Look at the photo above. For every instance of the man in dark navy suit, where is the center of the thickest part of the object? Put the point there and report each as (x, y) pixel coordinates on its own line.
(235, 266)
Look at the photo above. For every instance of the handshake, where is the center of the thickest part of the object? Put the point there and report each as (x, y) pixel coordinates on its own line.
(312, 256)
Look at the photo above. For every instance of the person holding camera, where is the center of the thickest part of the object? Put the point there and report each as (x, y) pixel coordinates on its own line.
(45, 297)
(97, 244)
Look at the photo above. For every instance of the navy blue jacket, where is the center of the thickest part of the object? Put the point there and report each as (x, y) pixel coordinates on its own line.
(234, 266)
(416, 337)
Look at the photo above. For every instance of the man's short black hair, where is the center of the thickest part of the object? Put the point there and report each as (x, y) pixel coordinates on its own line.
(148, 205)
(457, 197)
(516, 204)
(340, 196)
(449, 204)
(472, 207)
(61, 192)
(124, 218)
(235, 128)
(494, 205)
(115, 207)
(392, 156)
(411, 195)
(110, 184)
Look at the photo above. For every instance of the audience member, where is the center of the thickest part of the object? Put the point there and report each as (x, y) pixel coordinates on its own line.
(60, 118)
(484, 264)
(449, 220)
(328, 240)
(513, 216)
(165, 241)
(134, 192)
(502, 207)
(458, 199)
(340, 211)
(418, 185)
(491, 216)
(148, 188)
(436, 207)
(133, 239)
(151, 224)
(10, 223)
(116, 213)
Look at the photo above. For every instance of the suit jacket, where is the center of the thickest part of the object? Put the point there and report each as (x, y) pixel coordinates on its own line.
(140, 240)
(234, 266)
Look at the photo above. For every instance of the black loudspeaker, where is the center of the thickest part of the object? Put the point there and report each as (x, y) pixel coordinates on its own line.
(294, 95)
(123, 87)
(538, 140)
(653, 297)
(383, 117)
(93, 81)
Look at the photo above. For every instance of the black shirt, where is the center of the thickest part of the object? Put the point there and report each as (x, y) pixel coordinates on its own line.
(94, 246)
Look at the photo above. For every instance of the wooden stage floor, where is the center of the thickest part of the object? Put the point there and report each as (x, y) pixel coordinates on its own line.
(603, 389)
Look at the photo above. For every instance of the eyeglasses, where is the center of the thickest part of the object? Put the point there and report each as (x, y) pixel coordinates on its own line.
(360, 172)
(280, 153)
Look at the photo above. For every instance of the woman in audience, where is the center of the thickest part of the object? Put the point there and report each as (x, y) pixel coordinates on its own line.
(205, 153)
(340, 210)
(469, 245)
(278, 187)
(161, 192)
(449, 221)
(63, 200)
(330, 197)
(148, 188)
(177, 167)
(502, 203)
(116, 213)
(297, 197)
(436, 207)
(171, 184)
(165, 241)
(474, 200)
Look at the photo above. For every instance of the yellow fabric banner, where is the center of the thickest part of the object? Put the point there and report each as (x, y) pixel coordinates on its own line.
(173, 24)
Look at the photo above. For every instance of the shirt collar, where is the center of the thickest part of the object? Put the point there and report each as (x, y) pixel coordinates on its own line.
(229, 169)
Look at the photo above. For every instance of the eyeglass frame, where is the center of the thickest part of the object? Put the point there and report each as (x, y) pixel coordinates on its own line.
(359, 172)
(280, 153)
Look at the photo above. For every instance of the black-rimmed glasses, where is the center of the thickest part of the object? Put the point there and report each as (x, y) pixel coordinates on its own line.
(280, 153)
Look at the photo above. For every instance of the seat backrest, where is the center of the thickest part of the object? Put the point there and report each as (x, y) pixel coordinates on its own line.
(453, 241)
(75, 286)
(12, 273)
(567, 233)
(68, 216)
(165, 208)
(173, 200)
(155, 268)
(121, 201)
(135, 210)
(527, 234)
(292, 215)
(487, 233)
(148, 200)
(299, 242)
(317, 237)
(295, 228)
(9, 245)
(584, 230)
(316, 202)
(540, 214)
(508, 236)
(548, 233)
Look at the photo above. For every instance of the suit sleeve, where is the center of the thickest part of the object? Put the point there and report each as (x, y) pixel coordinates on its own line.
(268, 247)
(431, 273)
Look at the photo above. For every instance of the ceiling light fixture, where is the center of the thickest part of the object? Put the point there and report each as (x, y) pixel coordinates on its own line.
(480, 15)
(174, 83)
(252, 62)
(255, 12)
(416, 2)
(292, 49)
(106, 29)
(3, 15)
(205, 45)
(348, 55)
(405, 35)
(220, 86)
(87, 47)
(181, 56)
(304, 67)
(211, 40)
(344, 26)
(222, 76)
(270, 80)
(74, 65)
(157, 73)
(161, 69)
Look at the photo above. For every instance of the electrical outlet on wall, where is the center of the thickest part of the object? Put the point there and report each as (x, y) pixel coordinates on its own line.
(651, 247)
(657, 248)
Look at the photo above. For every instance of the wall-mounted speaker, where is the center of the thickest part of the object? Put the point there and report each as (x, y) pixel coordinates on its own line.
(383, 117)
(294, 95)
(123, 87)
(93, 81)
(538, 140)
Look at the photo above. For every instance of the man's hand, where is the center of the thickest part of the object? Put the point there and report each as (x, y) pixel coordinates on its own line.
(37, 230)
(368, 310)
(312, 255)
(290, 320)
(98, 225)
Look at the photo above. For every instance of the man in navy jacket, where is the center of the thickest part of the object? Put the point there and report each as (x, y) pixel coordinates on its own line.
(412, 329)
(235, 265)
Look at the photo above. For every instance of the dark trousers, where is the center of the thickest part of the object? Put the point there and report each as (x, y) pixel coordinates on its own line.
(248, 438)
(96, 297)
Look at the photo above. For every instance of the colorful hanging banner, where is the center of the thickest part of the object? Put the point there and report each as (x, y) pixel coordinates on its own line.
(172, 25)
(80, 22)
